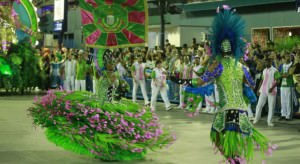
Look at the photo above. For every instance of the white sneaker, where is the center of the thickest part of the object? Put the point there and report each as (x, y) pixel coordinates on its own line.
(179, 107)
(251, 119)
(255, 121)
(270, 124)
(169, 108)
(206, 111)
(211, 111)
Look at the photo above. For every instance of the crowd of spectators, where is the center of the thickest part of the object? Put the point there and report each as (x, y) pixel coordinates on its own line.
(75, 69)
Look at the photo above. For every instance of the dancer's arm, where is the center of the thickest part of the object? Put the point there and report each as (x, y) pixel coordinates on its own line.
(213, 71)
(200, 72)
(247, 78)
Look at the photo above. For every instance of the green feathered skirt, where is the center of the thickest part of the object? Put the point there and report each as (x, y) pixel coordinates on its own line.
(79, 122)
(235, 138)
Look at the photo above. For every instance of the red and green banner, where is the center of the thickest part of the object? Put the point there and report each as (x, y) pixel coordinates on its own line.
(114, 23)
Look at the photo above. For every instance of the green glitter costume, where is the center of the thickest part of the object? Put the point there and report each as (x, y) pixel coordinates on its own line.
(101, 126)
(232, 133)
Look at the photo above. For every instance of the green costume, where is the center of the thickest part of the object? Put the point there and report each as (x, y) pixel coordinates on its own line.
(232, 133)
(100, 126)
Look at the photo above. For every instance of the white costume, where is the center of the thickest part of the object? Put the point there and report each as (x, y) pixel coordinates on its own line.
(70, 73)
(139, 80)
(159, 84)
(268, 82)
(121, 70)
(286, 94)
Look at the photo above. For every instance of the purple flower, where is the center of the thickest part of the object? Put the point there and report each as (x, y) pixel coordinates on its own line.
(124, 122)
(36, 99)
(137, 150)
(137, 136)
(131, 129)
(68, 105)
(99, 110)
(96, 117)
(109, 131)
(83, 129)
(158, 132)
(148, 135)
(107, 114)
(269, 152)
(85, 112)
(129, 114)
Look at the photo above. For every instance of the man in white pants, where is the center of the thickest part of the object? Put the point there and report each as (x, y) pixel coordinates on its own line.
(267, 92)
(159, 84)
(81, 69)
(70, 73)
(138, 78)
(286, 89)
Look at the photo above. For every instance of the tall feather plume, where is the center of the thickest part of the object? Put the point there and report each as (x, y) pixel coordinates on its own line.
(228, 25)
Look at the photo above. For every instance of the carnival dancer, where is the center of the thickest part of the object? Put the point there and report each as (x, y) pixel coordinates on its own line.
(121, 68)
(286, 88)
(100, 126)
(159, 85)
(197, 71)
(81, 70)
(232, 133)
(70, 73)
(185, 74)
(138, 78)
(295, 71)
(55, 71)
(267, 91)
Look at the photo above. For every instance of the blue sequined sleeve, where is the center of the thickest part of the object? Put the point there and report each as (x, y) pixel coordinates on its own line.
(202, 91)
(208, 76)
(249, 93)
(248, 77)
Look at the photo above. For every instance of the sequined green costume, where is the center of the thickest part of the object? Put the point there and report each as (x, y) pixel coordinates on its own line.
(102, 126)
(232, 133)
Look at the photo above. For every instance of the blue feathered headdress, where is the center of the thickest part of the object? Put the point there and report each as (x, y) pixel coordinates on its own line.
(227, 25)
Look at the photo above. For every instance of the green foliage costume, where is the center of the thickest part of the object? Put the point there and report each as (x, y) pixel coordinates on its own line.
(98, 125)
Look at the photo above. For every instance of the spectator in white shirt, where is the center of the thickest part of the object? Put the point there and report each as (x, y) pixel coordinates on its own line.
(70, 73)
(138, 78)
(159, 84)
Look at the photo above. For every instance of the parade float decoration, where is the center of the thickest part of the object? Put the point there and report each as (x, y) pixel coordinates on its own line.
(100, 125)
(18, 31)
(18, 21)
(113, 131)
